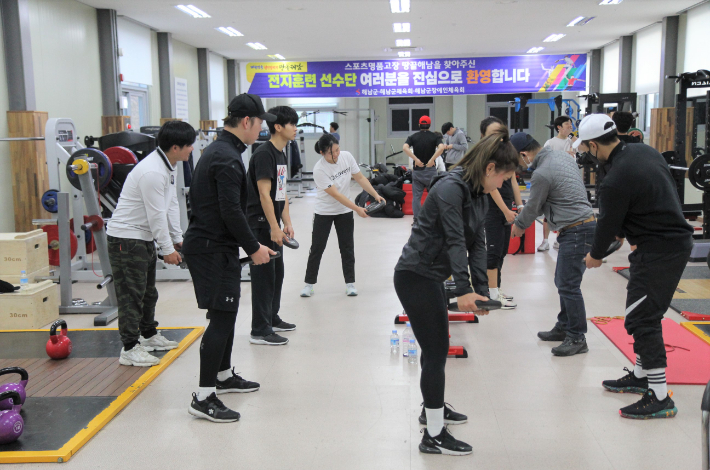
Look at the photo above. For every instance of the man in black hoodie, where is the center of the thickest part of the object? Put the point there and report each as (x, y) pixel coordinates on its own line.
(638, 200)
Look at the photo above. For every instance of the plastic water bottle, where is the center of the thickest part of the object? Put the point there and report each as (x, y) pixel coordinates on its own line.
(24, 282)
(406, 335)
(412, 351)
(394, 342)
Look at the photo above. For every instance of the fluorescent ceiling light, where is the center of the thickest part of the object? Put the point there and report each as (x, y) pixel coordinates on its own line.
(535, 50)
(257, 46)
(553, 37)
(229, 31)
(193, 11)
(610, 2)
(277, 57)
(401, 27)
(399, 6)
(404, 54)
(403, 42)
(576, 21)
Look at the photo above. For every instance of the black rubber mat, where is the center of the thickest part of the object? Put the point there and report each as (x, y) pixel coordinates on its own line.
(704, 327)
(51, 422)
(90, 343)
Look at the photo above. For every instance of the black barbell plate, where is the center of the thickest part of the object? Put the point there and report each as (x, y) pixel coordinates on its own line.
(91, 155)
(699, 173)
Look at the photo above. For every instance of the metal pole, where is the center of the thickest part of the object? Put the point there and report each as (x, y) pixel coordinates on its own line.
(65, 286)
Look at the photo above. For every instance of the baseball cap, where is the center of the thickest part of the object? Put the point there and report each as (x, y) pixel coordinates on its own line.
(425, 120)
(520, 140)
(593, 126)
(250, 105)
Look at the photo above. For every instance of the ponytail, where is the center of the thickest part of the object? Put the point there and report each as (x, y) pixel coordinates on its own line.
(325, 143)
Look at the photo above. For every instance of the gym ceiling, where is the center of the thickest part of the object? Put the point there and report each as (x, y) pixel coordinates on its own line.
(363, 29)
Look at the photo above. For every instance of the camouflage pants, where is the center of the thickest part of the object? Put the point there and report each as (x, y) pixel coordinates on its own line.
(133, 264)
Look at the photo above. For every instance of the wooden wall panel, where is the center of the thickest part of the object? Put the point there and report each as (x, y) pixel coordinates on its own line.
(29, 167)
(206, 125)
(662, 134)
(113, 124)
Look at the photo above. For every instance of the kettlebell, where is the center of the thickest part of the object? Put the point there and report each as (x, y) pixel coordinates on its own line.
(11, 423)
(58, 345)
(14, 387)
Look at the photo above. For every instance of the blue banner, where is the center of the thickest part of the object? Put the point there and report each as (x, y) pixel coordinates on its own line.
(426, 77)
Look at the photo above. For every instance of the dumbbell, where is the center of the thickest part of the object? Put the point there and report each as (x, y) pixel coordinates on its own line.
(18, 387)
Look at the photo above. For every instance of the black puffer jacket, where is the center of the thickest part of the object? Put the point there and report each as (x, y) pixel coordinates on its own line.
(448, 236)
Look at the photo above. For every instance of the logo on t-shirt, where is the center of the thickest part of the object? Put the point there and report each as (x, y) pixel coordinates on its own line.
(280, 182)
(339, 174)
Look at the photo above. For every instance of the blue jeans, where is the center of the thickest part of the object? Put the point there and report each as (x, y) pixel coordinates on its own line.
(575, 243)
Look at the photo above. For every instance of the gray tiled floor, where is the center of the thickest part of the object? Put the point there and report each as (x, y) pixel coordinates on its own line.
(334, 398)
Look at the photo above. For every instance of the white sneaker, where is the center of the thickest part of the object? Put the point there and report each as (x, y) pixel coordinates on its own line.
(505, 296)
(544, 246)
(307, 291)
(556, 245)
(350, 290)
(604, 260)
(157, 342)
(137, 356)
(505, 303)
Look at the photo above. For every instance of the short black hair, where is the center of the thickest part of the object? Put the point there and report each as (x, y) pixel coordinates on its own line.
(488, 121)
(178, 133)
(233, 121)
(623, 120)
(284, 115)
(533, 146)
(446, 127)
(559, 121)
(606, 139)
(424, 127)
(334, 125)
(325, 143)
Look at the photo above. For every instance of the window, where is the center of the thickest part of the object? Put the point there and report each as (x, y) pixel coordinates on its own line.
(646, 104)
(505, 113)
(317, 118)
(404, 113)
(135, 105)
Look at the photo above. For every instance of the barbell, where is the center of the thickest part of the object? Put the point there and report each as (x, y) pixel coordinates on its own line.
(698, 172)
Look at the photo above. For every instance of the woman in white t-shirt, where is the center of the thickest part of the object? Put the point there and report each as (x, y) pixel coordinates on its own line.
(332, 175)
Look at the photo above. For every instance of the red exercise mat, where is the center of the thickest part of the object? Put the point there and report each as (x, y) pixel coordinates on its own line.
(688, 355)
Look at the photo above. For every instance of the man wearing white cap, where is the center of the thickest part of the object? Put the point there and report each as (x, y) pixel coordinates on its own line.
(638, 200)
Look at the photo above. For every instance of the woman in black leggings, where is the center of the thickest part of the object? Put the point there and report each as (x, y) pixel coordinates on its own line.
(449, 238)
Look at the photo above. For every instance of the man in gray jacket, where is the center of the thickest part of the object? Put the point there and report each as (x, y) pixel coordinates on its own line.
(455, 144)
(557, 190)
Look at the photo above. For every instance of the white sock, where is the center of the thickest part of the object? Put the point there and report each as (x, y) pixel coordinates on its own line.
(493, 292)
(224, 375)
(204, 392)
(434, 420)
(638, 370)
(657, 382)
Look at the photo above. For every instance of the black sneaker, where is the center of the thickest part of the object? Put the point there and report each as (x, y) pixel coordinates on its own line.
(236, 384)
(283, 326)
(444, 444)
(650, 407)
(212, 409)
(272, 340)
(450, 416)
(554, 334)
(570, 347)
(627, 384)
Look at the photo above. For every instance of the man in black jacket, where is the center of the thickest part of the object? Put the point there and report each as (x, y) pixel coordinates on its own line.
(638, 200)
(218, 228)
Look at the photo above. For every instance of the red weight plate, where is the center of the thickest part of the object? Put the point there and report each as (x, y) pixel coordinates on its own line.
(53, 242)
(121, 156)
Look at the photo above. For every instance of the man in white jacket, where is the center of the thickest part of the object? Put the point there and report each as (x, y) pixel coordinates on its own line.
(147, 213)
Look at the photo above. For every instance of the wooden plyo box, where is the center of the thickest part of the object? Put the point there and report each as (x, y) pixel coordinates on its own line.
(15, 278)
(23, 251)
(32, 308)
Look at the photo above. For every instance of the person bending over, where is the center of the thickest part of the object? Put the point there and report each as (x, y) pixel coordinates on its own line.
(147, 210)
(332, 175)
(423, 147)
(268, 205)
(218, 228)
(455, 144)
(449, 238)
(624, 121)
(334, 130)
(557, 190)
(638, 200)
(498, 220)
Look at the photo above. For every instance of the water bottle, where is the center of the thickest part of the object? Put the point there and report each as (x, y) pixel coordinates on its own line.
(24, 282)
(406, 335)
(394, 342)
(412, 351)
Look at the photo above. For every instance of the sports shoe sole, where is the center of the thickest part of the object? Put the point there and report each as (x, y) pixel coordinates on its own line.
(157, 348)
(636, 390)
(126, 362)
(581, 351)
(354, 294)
(261, 341)
(275, 328)
(307, 295)
(657, 415)
(552, 338)
(200, 414)
(236, 390)
(508, 307)
(440, 451)
(446, 421)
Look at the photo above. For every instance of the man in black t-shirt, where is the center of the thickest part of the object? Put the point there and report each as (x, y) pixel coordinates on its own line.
(423, 148)
(267, 207)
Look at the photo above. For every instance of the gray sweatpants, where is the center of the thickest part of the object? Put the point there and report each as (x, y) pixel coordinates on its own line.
(420, 180)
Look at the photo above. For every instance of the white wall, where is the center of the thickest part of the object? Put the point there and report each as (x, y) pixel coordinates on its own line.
(696, 40)
(610, 68)
(185, 66)
(7, 212)
(646, 69)
(218, 86)
(134, 41)
(154, 91)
